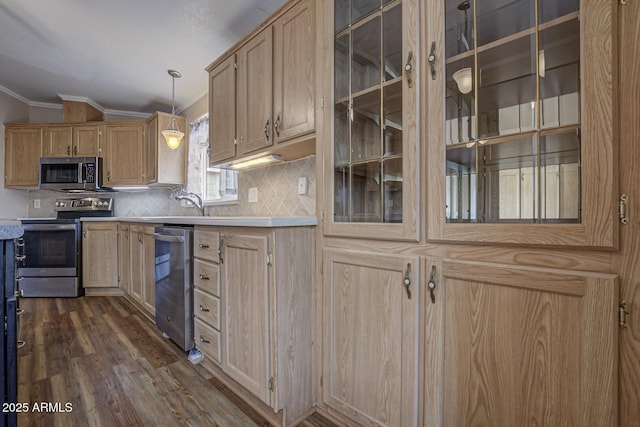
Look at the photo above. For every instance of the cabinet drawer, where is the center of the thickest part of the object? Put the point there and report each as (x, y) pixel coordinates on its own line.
(205, 244)
(207, 308)
(206, 276)
(207, 340)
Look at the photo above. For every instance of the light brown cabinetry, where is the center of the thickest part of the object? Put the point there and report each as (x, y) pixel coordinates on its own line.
(142, 267)
(254, 94)
(222, 111)
(519, 346)
(372, 145)
(100, 254)
(206, 294)
(536, 168)
(270, 79)
(162, 164)
(71, 141)
(23, 146)
(294, 72)
(123, 153)
(124, 258)
(370, 336)
(264, 314)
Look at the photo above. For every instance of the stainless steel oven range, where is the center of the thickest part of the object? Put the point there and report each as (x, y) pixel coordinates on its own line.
(50, 260)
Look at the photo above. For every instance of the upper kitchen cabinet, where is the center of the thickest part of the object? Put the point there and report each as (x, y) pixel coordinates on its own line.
(70, 141)
(521, 124)
(294, 72)
(222, 111)
(253, 92)
(373, 151)
(23, 147)
(162, 164)
(262, 92)
(123, 153)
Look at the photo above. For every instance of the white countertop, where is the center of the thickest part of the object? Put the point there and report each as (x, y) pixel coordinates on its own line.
(226, 221)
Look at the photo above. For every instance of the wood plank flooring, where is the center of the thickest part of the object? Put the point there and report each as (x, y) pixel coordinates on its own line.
(100, 362)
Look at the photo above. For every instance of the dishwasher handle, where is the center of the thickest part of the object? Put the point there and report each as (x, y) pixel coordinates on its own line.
(168, 238)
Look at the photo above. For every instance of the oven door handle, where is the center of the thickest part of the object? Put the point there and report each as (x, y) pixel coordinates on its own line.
(168, 238)
(48, 227)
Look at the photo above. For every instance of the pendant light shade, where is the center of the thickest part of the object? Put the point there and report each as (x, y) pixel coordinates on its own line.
(172, 135)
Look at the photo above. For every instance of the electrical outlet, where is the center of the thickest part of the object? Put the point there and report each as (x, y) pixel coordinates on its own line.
(36, 203)
(302, 185)
(253, 195)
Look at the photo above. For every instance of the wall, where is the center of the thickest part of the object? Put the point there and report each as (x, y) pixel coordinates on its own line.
(13, 203)
(276, 185)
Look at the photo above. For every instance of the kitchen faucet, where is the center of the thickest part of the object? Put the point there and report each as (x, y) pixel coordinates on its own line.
(192, 198)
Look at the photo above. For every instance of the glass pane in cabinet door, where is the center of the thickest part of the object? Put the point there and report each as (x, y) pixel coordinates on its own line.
(461, 186)
(361, 8)
(341, 67)
(341, 135)
(340, 15)
(460, 120)
(341, 97)
(560, 175)
(365, 127)
(392, 106)
(510, 179)
(366, 60)
(550, 10)
(341, 194)
(366, 192)
(392, 42)
(459, 28)
(499, 20)
(507, 90)
(559, 64)
(393, 190)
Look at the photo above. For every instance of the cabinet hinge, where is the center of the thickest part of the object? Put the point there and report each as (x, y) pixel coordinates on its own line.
(622, 209)
(271, 384)
(235, 141)
(623, 311)
(321, 214)
(623, 2)
(269, 258)
(321, 102)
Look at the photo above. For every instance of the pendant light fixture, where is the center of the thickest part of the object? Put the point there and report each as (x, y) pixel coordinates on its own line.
(173, 136)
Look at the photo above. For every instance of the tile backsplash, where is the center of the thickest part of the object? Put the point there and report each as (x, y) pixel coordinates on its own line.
(277, 188)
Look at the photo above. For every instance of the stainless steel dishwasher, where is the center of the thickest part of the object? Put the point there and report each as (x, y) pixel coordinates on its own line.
(174, 283)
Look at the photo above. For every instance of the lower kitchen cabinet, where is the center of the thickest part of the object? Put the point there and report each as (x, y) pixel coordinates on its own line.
(206, 293)
(265, 316)
(100, 254)
(142, 267)
(371, 336)
(512, 346)
(124, 258)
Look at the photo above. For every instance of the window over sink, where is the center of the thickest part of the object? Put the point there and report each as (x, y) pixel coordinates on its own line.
(214, 185)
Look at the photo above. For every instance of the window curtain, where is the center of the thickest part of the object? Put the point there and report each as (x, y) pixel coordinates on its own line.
(198, 154)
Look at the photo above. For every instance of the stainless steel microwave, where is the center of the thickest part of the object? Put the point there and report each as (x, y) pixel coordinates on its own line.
(71, 173)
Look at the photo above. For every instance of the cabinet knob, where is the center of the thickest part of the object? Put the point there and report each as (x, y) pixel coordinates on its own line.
(203, 340)
(203, 277)
(276, 125)
(408, 68)
(267, 130)
(203, 308)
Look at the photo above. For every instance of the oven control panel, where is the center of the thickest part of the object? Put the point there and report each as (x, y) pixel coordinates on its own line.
(84, 204)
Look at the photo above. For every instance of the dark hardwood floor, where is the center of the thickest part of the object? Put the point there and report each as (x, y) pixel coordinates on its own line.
(96, 361)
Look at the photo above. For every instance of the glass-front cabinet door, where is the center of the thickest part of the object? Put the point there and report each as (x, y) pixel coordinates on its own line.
(521, 121)
(373, 151)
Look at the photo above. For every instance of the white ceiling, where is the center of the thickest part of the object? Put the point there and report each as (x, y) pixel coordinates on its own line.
(116, 53)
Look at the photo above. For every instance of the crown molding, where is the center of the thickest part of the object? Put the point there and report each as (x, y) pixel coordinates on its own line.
(45, 105)
(82, 99)
(14, 95)
(136, 114)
